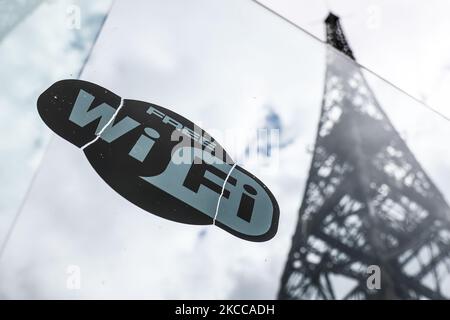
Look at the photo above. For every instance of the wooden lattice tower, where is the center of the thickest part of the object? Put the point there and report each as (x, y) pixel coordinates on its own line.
(367, 201)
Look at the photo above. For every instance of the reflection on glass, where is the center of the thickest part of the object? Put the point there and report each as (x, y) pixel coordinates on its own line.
(374, 192)
(40, 42)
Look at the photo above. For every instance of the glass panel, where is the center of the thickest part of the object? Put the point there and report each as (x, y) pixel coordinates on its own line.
(33, 54)
(231, 67)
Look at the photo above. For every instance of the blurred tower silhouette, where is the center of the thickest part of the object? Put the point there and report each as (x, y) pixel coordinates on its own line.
(367, 201)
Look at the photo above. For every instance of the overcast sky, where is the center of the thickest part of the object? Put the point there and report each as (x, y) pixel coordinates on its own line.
(223, 65)
(405, 41)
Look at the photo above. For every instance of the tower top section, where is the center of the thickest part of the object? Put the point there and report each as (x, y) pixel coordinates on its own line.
(335, 35)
